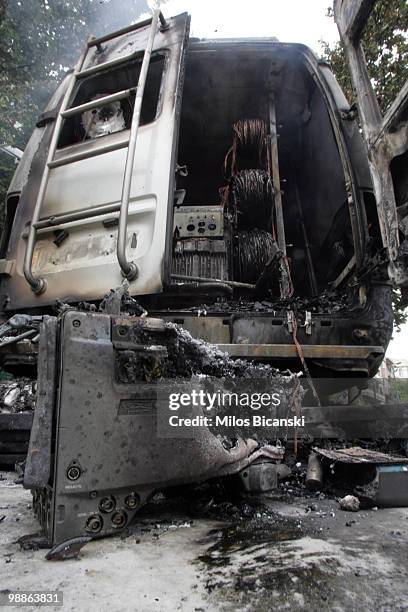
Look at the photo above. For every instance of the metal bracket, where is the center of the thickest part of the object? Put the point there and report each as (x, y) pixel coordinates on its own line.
(289, 321)
(6, 266)
(46, 117)
(308, 323)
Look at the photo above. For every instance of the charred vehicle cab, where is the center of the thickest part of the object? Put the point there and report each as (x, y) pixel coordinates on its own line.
(227, 181)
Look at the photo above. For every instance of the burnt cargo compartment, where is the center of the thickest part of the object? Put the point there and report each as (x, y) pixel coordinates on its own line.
(231, 82)
(263, 128)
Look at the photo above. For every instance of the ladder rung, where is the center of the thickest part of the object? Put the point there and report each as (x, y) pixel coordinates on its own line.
(78, 215)
(135, 26)
(74, 157)
(81, 108)
(105, 66)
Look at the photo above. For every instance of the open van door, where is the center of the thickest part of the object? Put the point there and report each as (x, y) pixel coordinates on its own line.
(96, 204)
(386, 137)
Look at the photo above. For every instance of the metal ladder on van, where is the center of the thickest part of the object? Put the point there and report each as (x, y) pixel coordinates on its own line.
(129, 269)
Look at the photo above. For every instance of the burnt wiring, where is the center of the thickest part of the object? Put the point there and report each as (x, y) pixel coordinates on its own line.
(248, 148)
(224, 196)
(251, 198)
(296, 407)
(254, 249)
(299, 350)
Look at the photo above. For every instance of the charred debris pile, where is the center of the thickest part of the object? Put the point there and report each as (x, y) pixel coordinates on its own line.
(17, 395)
(181, 356)
(167, 354)
(328, 302)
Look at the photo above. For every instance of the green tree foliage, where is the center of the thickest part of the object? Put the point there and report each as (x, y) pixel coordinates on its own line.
(385, 44)
(39, 41)
(400, 388)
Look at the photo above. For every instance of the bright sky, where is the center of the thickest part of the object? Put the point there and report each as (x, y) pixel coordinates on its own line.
(398, 347)
(302, 21)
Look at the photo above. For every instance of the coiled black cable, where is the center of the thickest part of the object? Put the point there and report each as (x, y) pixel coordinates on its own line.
(252, 199)
(253, 250)
(249, 144)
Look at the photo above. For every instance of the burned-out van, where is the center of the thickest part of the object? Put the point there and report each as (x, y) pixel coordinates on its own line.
(227, 182)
